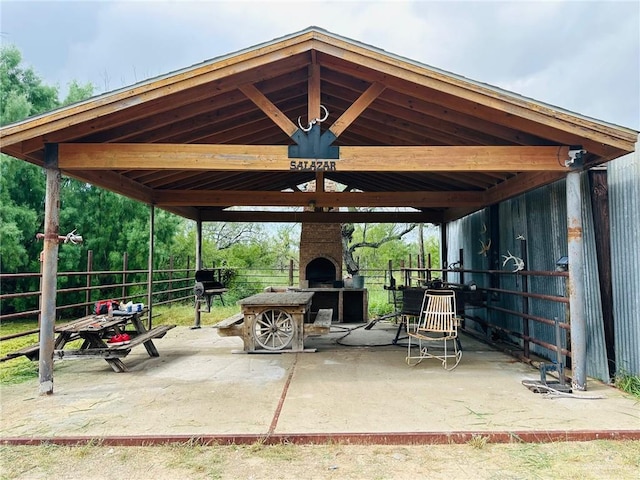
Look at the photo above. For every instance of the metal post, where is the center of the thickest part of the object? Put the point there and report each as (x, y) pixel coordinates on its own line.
(196, 323)
(87, 293)
(525, 300)
(576, 282)
(171, 265)
(291, 272)
(40, 292)
(444, 252)
(152, 214)
(49, 270)
(125, 267)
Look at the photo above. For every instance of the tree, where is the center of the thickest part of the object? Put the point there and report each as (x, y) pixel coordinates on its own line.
(110, 224)
(21, 184)
(373, 237)
(78, 92)
(22, 93)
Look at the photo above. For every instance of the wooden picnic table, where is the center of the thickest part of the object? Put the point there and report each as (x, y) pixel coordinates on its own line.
(95, 331)
(276, 321)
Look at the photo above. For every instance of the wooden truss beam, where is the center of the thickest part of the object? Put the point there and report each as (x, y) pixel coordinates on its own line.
(320, 217)
(225, 198)
(354, 111)
(273, 112)
(275, 158)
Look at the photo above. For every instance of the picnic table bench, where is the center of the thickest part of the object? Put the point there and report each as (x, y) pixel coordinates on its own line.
(94, 331)
(275, 322)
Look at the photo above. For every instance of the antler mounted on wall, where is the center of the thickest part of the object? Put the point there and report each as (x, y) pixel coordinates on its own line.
(314, 121)
(518, 263)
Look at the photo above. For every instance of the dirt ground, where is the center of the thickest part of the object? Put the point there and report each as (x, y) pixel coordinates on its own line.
(475, 460)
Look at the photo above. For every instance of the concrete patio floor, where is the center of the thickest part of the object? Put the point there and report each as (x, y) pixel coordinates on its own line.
(200, 389)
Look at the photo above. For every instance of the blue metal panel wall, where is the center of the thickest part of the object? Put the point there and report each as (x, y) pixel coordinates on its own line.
(624, 205)
(539, 217)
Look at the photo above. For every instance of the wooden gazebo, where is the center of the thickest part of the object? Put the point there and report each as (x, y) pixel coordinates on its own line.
(249, 128)
(396, 133)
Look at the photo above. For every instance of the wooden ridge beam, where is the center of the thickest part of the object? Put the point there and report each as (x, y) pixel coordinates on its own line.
(225, 198)
(120, 156)
(313, 89)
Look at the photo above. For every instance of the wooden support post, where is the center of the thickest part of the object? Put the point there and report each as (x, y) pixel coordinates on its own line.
(599, 189)
(50, 270)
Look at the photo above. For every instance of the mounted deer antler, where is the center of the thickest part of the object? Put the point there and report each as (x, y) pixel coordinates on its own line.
(485, 248)
(518, 262)
(315, 120)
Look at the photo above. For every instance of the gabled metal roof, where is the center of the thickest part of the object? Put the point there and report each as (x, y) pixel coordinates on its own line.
(250, 98)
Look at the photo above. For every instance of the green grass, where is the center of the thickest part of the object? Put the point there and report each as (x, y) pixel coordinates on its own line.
(184, 315)
(20, 369)
(628, 383)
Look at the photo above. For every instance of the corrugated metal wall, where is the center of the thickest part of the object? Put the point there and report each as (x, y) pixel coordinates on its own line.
(540, 217)
(624, 204)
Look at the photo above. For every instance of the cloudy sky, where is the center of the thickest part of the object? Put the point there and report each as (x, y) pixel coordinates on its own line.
(583, 56)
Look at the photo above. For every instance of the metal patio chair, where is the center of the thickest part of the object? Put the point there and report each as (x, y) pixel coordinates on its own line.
(435, 330)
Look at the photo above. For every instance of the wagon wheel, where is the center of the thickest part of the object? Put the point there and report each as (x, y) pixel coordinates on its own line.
(273, 329)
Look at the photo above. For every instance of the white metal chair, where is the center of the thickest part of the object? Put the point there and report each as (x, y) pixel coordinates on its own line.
(437, 324)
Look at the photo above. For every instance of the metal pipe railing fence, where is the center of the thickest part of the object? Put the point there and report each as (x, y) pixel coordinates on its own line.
(81, 290)
(423, 276)
(78, 291)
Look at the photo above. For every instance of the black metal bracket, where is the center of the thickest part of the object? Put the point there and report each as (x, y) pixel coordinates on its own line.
(313, 144)
(576, 157)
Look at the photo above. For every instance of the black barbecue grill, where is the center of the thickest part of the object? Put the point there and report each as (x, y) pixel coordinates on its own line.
(207, 286)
